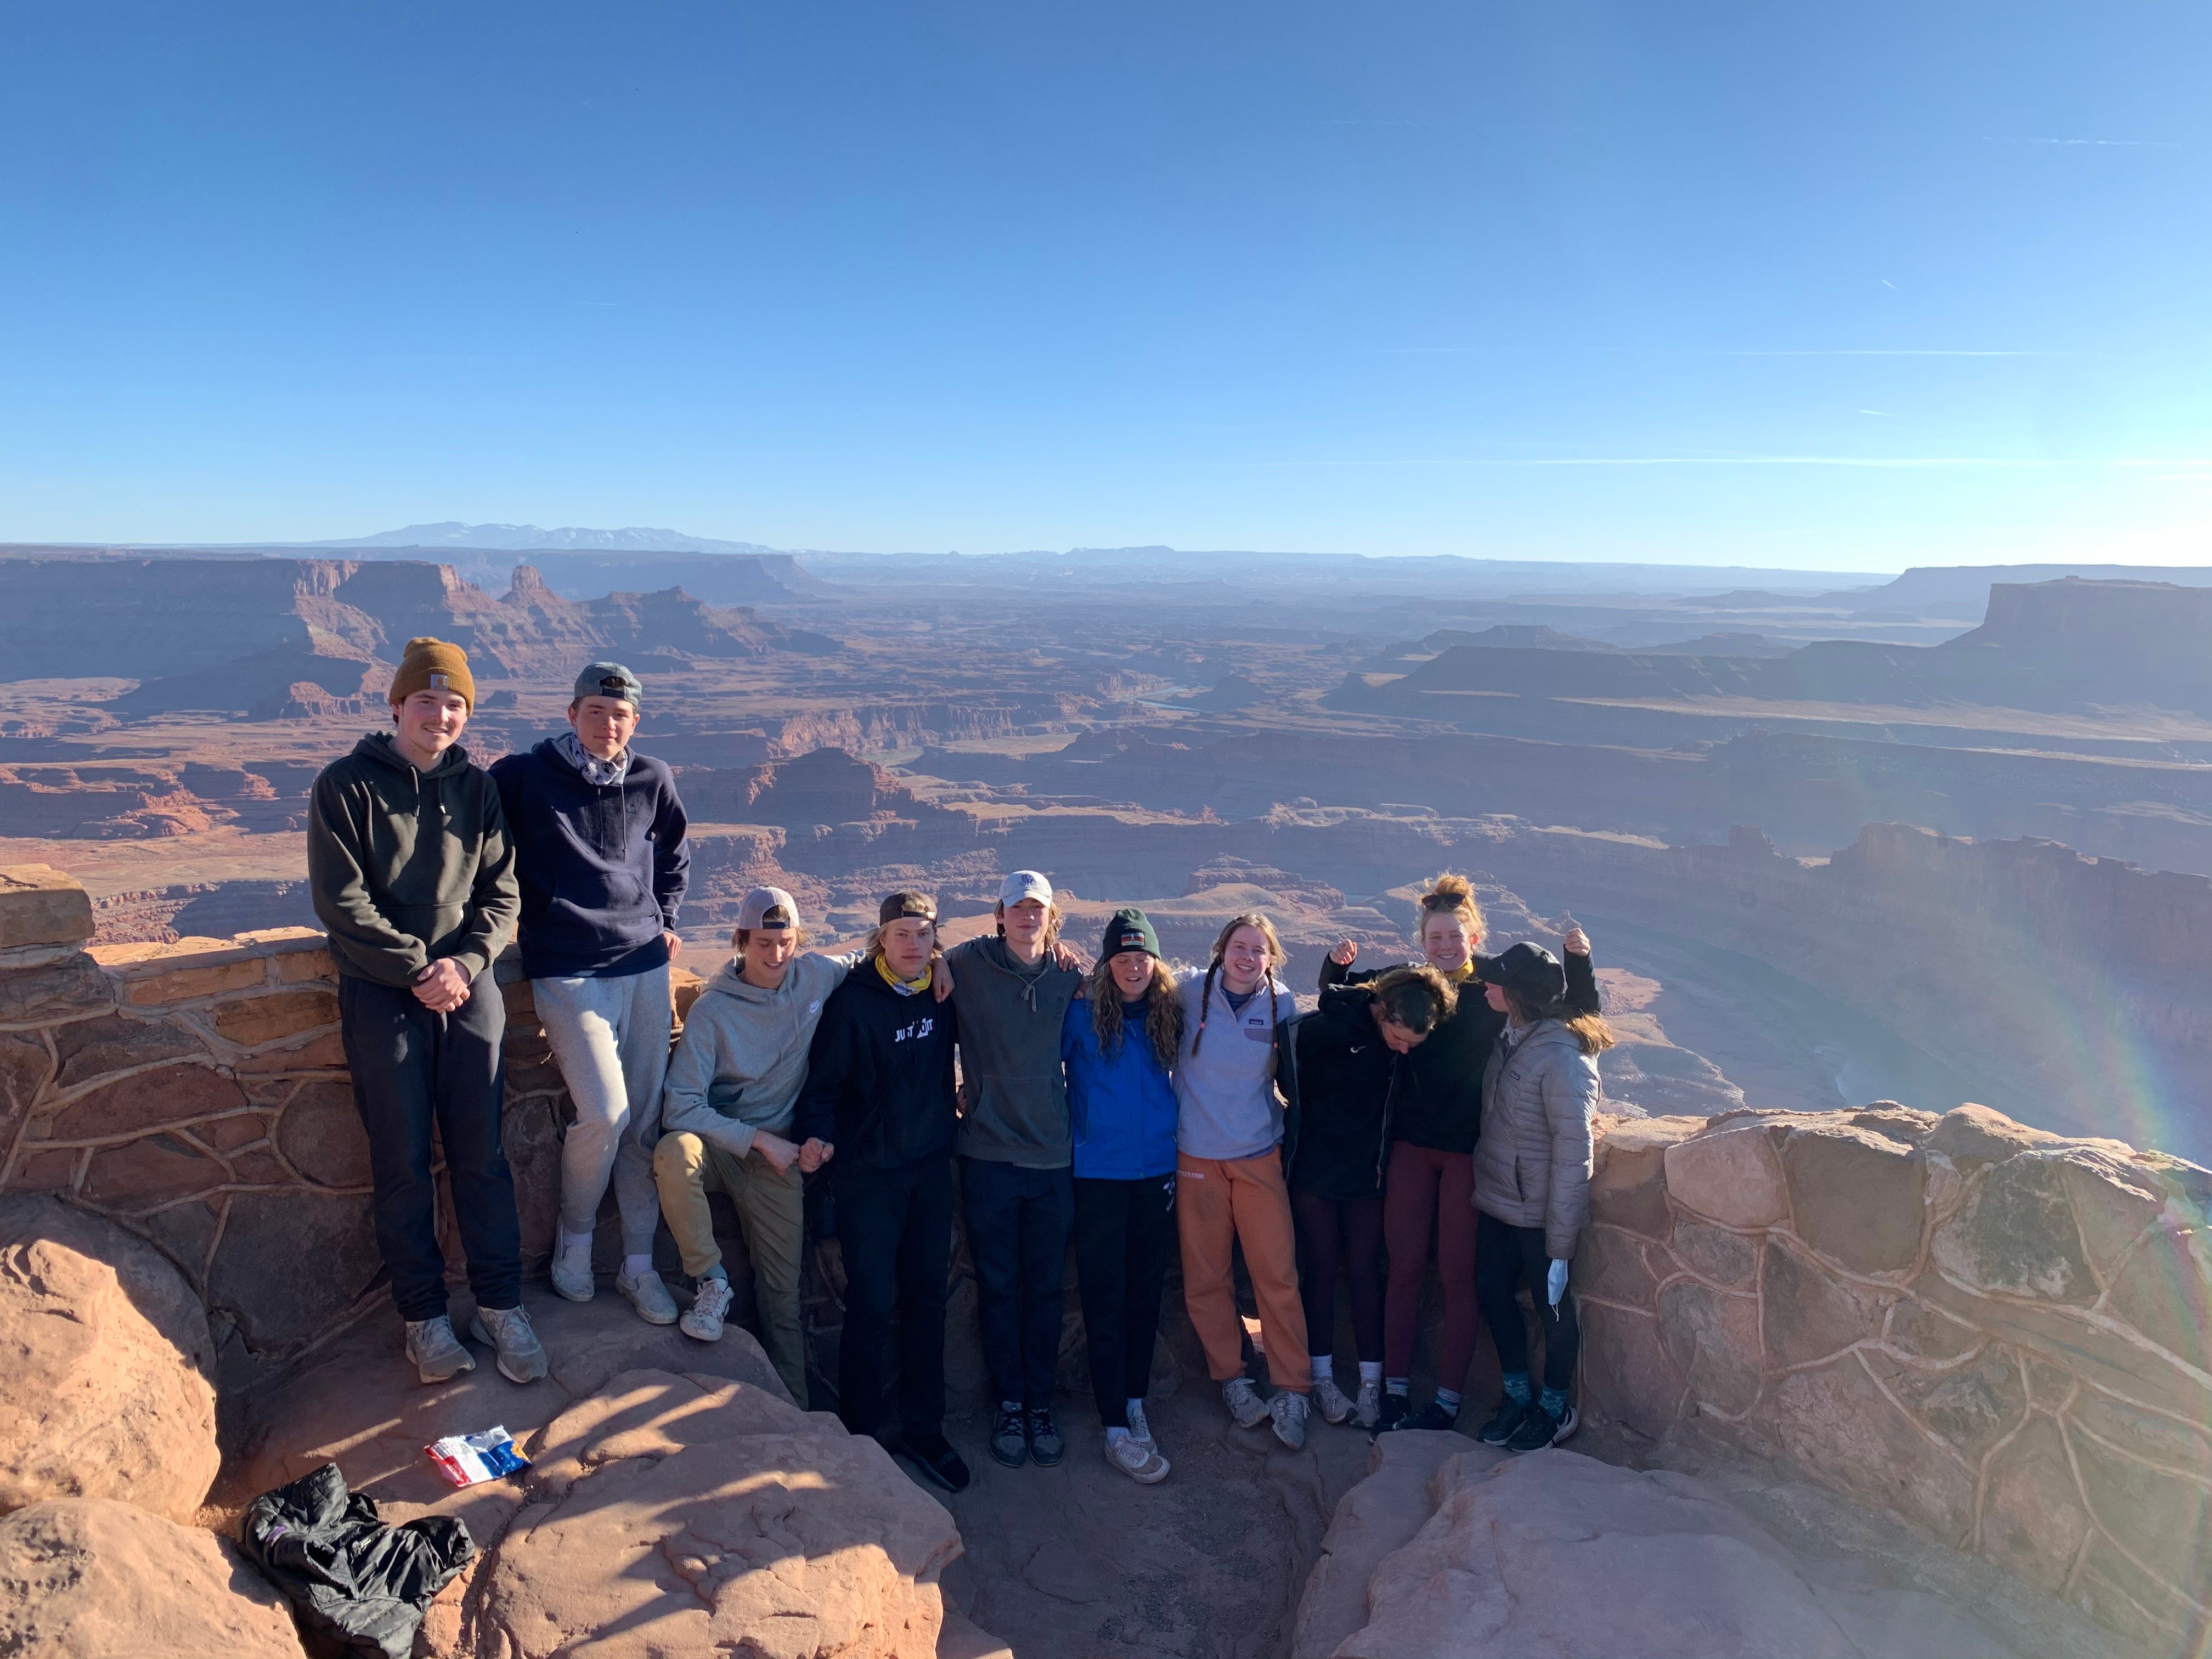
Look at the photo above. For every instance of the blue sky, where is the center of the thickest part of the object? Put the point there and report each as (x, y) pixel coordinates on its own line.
(1839, 287)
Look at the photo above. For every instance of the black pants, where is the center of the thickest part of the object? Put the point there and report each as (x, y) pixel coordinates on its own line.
(413, 1069)
(1018, 1223)
(1507, 1257)
(1124, 1231)
(896, 1227)
(1349, 1231)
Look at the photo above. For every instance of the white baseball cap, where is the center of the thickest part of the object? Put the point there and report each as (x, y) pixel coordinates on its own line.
(1025, 885)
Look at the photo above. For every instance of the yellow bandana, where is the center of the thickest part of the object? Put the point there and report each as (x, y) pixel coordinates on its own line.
(1460, 975)
(907, 986)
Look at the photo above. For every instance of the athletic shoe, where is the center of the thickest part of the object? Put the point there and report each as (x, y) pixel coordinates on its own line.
(1392, 1413)
(1289, 1411)
(936, 1458)
(1330, 1402)
(1045, 1444)
(520, 1355)
(649, 1296)
(1569, 1422)
(1430, 1416)
(709, 1310)
(437, 1353)
(1537, 1430)
(572, 1271)
(1140, 1430)
(1010, 1437)
(1141, 1463)
(1503, 1422)
(1244, 1404)
(1369, 1407)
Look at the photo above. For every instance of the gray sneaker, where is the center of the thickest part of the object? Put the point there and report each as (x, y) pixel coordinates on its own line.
(709, 1310)
(1332, 1402)
(1140, 1431)
(1245, 1406)
(1289, 1411)
(520, 1355)
(572, 1271)
(649, 1296)
(437, 1353)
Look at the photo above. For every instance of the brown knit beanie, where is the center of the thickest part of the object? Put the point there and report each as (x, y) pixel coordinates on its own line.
(433, 666)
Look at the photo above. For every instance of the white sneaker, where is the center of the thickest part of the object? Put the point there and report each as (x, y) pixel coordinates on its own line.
(649, 1296)
(1244, 1403)
(507, 1331)
(572, 1271)
(437, 1353)
(1289, 1411)
(1330, 1402)
(1140, 1431)
(1369, 1408)
(704, 1318)
(1141, 1463)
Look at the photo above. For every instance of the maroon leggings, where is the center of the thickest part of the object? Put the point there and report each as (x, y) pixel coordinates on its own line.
(1429, 1189)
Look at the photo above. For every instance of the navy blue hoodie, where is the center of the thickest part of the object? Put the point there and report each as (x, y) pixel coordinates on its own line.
(603, 868)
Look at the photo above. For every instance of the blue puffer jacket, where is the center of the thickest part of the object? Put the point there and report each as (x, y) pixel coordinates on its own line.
(1123, 1109)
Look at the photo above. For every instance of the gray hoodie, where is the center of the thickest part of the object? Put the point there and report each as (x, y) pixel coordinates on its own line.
(741, 1062)
(1016, 1093)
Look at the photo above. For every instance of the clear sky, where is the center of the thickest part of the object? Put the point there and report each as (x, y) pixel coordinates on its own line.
(1841, 286)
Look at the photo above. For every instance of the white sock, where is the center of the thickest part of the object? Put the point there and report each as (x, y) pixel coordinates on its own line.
(1370, 1370)
(575, 1241)
(1138, 1407)
(1448, 1399)
(633, 1266)
(1115, 1437)
(1324, 1367)
(1397, 1385)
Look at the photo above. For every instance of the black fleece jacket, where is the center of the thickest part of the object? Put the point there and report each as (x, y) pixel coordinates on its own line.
(1443, 1109)
(1347, 1082)
(879, 1075)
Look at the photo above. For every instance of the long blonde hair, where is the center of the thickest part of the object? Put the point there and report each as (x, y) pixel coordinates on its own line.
(1163, 1010)
(1276, 957)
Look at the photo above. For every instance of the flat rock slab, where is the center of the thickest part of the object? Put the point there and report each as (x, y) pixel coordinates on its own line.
(95, 1578)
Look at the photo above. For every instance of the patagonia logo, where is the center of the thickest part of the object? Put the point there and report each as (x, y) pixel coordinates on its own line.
(1259, 1028)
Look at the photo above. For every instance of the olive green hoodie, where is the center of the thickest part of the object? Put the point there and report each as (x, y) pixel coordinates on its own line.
(407, 867)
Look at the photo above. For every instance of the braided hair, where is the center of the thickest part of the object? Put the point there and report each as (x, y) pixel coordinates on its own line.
(1276, 957)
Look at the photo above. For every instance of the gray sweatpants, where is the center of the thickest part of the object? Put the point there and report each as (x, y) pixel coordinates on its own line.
(610, 1037)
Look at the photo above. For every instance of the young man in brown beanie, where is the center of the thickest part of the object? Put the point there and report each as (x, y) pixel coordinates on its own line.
(413, 878)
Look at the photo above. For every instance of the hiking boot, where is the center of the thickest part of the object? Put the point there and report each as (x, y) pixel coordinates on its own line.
(1140, 1430)
(709, 1310)
(649, 1296)
(1503, 1422)
(1537, 1429)
(1330, 1402)
(1289, 1411)
(437, 1353)
(934, 1455)
(1430, 1416)
(1245, 1406)
(1045, 1444)
(520, 1355)
(1393, 1412)
(1368, 1406)
(1142, 1463)
(572, 1271)
(1010, 1437)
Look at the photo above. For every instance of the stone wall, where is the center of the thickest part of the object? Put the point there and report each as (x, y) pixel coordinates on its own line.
(1999, 1336)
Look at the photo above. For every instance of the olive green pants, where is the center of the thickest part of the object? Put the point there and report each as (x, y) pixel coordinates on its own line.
(772, 1210)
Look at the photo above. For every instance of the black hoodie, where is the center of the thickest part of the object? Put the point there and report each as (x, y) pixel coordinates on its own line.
(1348, 1081)
(879, 1075)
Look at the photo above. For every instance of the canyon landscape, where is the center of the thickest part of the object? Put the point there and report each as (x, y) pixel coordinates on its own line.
(1897, 1300)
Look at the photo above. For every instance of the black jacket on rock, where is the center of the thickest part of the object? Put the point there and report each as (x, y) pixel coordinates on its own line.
(1443, 1108)
(879, 1075)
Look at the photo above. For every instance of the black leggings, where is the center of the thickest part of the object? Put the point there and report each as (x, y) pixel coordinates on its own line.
(1124, 1231)
(1349, 1230)
(1507, 1257)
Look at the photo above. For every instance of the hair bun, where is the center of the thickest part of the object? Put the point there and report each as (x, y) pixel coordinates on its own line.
(1448, 892)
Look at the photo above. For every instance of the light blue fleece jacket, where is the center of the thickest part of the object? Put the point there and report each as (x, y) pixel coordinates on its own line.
(741, 1062)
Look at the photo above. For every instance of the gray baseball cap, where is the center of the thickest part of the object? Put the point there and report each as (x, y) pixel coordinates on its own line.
(609, 679)
(753, 908)
(1025, 885)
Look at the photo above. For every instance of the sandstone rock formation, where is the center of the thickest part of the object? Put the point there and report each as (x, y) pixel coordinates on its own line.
(674, 1516)
(94, 1578)
(1559, 1555)
(107, 1362)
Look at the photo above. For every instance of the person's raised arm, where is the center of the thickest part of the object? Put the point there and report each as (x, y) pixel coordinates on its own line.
(1581, 972)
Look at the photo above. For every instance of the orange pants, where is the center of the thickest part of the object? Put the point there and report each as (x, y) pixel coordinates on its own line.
(1218, 1205)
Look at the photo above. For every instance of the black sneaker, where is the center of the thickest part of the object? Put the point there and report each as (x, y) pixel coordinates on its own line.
(1430, 1416)
(1503, 1422)
(933, 1453)
(1395, 1407)
(1010, 1438)
(1536, 1431)
(1045, 1444)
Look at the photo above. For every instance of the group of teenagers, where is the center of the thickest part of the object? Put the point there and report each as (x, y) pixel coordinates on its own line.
(1439, 1109)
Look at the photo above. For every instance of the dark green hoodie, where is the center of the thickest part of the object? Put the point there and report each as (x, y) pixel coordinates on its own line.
(407, 867)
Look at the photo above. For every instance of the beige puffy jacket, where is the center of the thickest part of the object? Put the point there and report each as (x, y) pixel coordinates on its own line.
(1532, 1162)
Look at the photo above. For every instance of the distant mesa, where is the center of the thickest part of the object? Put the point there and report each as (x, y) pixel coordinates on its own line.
(1227, 693)
(514, 538)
